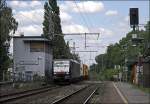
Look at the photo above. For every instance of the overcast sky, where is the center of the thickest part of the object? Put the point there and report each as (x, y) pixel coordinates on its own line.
(109, 18)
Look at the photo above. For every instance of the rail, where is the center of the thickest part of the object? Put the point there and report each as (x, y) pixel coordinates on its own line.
(59, 101)
(23, 94)
(86, 101)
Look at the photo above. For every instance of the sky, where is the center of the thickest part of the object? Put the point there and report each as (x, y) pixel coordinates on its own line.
(110, 18)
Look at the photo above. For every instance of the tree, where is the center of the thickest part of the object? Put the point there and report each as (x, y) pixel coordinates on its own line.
(8, 25)
(118, 52)
(146, 49)
(51, 27)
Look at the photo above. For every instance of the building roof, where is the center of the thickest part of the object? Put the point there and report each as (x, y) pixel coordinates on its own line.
(28, 36)
(33, 38)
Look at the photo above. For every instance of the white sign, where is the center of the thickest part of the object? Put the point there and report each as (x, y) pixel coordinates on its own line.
(134, 36)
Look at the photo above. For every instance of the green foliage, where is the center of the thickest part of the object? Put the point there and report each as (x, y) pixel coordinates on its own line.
(8, 25)
(118, 52)
(94, 75)
(17, 85)
(46, 21)
(106, 74)
(51, 27)
(37, 78)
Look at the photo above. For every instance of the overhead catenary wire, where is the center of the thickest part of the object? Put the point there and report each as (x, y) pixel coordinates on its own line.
(84, 20)
(88, 19)
(92, 26)
(87, 16)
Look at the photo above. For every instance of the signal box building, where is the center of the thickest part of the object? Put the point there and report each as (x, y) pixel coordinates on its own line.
(32, 56)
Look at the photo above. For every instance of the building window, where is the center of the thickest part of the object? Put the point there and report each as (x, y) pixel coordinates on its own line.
(36, 47)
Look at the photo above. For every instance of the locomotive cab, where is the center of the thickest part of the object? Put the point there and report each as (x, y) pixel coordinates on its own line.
(66, 70)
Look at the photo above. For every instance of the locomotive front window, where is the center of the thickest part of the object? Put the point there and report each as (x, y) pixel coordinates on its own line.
(61, 66)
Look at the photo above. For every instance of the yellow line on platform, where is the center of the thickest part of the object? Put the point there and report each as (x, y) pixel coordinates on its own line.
(123, 98)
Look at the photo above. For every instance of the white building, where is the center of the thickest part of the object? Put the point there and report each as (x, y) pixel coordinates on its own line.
(32, 55)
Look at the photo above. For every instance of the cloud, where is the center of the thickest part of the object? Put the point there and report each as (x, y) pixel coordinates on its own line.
(30, 30)
(89, 7)
(30, 17)
(35, 3)
(84, 6)
(18, 4)
(126, 18)
(24, 4)
(104, 32)
(74, 28)
(27, 12)
(111, 13)
(124, 25)
(65, 17)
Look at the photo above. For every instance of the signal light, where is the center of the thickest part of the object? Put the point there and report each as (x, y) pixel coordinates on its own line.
(134, 16)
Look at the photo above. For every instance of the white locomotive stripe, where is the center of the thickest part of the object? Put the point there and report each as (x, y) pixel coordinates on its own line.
(123, 98)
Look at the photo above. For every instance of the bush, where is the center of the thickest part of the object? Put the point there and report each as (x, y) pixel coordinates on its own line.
(108, 74)
(16, 85)
(36, 77)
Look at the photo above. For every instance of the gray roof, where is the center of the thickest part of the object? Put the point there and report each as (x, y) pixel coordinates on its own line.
(28, 36)
(33, 39)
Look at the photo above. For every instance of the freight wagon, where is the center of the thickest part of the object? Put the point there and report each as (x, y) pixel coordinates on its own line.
(66, 70)
(85, 71)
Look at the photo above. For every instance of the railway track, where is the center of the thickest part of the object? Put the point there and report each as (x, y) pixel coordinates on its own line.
(23, 94)
(81, 96)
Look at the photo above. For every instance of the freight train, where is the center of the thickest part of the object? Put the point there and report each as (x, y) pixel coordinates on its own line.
(68, 70)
